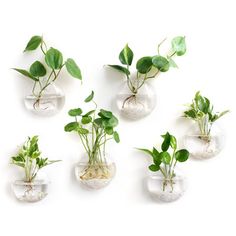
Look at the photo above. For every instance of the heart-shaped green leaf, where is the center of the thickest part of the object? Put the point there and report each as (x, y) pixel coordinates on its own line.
(161, 63)
(73, 68)
(126, 55)
(179, 45)
(33, 43)
(144, 65)
(54, 58)
(165, 157)
(37, 69)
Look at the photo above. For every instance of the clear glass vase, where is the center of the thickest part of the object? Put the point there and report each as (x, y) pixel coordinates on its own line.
(135, 106)
(30, 191)
(204, 146)
(164, 189)
(46, 103)
(97, 175)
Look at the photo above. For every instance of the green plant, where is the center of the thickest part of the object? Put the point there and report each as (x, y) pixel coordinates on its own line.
(43, 74)
(29, 158)
(165, 161)
(94, 128)
(201, 111)
(149, 66)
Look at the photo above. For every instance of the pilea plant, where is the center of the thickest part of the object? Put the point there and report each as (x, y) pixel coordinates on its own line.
(165, 161)
(30, 159)
(45, 73)
(201, 111)
(95, 129)
(148, 67)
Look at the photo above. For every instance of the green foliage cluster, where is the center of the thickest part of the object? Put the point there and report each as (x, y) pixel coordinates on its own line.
(201, 111)
(50, 68)
(94, 128)
(165, 161)
(29, 158)
(149, 66)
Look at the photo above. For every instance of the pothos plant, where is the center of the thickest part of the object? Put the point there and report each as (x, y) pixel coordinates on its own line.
(30, 159)
(166, 159)
(201, 111)
(95, 128)
(148, 67)
(43, 73)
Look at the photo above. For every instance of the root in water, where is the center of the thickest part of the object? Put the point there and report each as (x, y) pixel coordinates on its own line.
(97, 172)
(130, 99)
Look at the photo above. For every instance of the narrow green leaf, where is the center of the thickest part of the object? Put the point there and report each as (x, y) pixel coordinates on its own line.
(89, 113)
(75, 112)
(37, 69)
(147, 151)
(33, 43)
(144, 65)
(126, 55)
(54, 58)
(166, 142)
(172, 63)
(26, 73)
(121, 69)
(116, 137)
(90, 97)
(173, 142)
(73, 68)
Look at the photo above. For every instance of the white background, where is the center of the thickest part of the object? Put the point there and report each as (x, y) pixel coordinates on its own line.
(93, 33)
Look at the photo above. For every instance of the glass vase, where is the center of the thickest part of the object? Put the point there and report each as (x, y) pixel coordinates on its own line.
(164, 189)
(204, 146)
(30, 191)
(46, 103)
(137, 105)
(95, 175)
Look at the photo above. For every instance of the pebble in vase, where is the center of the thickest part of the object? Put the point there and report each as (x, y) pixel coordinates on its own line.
(204, 140)
(164, 183)
(31, 188)
(95, 170)
(137, 98)
(46, 98)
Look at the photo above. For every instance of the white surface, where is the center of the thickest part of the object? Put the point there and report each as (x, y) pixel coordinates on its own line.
(93, 33)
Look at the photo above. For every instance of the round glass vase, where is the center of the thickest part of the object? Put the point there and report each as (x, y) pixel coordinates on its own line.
(204, 146)
(137, 105)
(47, 102)
(30, 191)
(165, 189)
(95, 175)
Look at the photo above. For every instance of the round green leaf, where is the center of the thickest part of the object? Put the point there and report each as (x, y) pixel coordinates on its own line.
(179, 45)
(37, 69)
(105, 114)
(112, 122)
(71, 127)
(144, 65)
(109, 130)
(54, 58)
(73, 68)
(33, 43)
(86, 120)
(154, 168)
(182, 155)
(161, 63)
(75, 112)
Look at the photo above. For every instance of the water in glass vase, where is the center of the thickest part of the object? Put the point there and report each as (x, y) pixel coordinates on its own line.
(96, 175)
(47, 103)
(135, 106)
(165, 190)
(30, 191)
